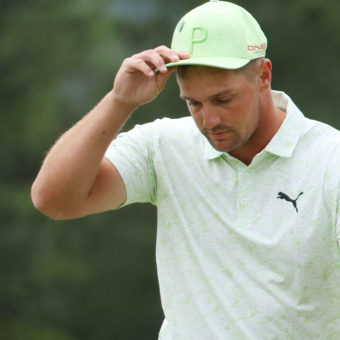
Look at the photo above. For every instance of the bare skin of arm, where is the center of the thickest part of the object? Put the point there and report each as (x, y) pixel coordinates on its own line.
(75, 179)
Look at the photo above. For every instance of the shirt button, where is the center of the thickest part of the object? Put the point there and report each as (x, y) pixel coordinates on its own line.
(244, 201)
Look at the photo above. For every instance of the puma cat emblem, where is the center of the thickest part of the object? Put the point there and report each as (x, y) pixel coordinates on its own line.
(284, 196)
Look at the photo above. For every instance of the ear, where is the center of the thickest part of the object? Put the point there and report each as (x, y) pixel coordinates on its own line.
(265, 74)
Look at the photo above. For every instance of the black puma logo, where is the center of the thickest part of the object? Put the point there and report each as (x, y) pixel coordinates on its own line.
(283, 196)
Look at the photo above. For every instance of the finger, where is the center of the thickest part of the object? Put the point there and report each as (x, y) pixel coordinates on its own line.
(170, 55)
(183, 54)
(162, 78)
(167, 54)
(153, 59)
(132, 65)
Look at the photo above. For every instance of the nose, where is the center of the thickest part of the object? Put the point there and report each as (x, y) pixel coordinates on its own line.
(211, 117)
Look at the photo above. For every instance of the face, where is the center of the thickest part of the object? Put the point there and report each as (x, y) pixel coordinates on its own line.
(224, 104)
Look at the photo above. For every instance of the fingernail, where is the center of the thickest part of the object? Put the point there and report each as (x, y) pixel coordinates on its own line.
(163, 68)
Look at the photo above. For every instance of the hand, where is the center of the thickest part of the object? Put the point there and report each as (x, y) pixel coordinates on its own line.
(137, 81)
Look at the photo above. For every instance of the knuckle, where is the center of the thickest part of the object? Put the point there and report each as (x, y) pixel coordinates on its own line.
(147, 52)
(146, 55)
(126, 61)
(161, 48)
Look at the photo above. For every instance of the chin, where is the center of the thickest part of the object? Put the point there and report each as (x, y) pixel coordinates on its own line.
(220, 146)
(225, 146)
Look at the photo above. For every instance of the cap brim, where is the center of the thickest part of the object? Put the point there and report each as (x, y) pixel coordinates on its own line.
(219, 62)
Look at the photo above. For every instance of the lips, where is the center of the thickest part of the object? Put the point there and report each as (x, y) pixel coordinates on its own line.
(219, 134)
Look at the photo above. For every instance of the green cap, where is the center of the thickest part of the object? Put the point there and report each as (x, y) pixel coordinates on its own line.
(219, 34)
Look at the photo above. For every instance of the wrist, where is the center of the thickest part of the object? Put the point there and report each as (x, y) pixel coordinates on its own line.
(120, 104)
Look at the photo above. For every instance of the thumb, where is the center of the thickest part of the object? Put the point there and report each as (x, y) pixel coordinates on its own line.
(162, 78)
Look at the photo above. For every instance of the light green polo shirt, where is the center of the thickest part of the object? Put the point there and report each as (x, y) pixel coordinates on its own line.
(243, 252)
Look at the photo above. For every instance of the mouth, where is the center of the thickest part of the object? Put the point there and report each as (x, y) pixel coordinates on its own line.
(218, 135)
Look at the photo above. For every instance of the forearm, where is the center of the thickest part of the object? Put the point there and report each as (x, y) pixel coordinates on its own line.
(71, 166)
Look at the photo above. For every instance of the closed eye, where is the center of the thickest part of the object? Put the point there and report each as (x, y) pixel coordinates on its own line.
(223, 100)
(193, 103)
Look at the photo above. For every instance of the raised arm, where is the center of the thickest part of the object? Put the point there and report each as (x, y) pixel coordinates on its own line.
(75, 179)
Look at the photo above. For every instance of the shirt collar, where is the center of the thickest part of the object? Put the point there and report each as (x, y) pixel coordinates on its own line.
(285, 140)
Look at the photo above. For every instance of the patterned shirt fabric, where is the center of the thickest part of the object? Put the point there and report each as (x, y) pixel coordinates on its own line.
(243, 252)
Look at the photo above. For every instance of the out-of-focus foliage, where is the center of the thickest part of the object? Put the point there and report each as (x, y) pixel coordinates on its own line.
(95, 278)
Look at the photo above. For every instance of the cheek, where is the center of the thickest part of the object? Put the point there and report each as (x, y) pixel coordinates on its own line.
(247, 109)
(197, 117)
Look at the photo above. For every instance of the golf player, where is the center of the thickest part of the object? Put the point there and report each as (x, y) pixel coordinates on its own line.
(247, 188)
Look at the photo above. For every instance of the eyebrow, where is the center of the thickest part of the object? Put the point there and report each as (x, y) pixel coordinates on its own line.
(223, 93)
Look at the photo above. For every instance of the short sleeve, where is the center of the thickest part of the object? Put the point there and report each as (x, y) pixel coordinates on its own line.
(336, 184)
(337, 227)
(132, 154)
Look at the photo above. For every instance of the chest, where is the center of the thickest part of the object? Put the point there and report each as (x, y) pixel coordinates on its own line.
(276, 204)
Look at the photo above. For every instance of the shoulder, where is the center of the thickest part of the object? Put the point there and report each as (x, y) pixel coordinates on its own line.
(160, 127)
(320, 144)
(165, 136)
(321, 134)
(173, 130)
(170, 125)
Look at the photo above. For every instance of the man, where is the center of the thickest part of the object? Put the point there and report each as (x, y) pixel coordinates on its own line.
(247, 188)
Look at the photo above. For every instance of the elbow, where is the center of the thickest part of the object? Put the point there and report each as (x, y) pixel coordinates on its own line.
(45, 202)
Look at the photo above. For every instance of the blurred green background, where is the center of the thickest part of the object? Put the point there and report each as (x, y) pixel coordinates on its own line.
(95, 278)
